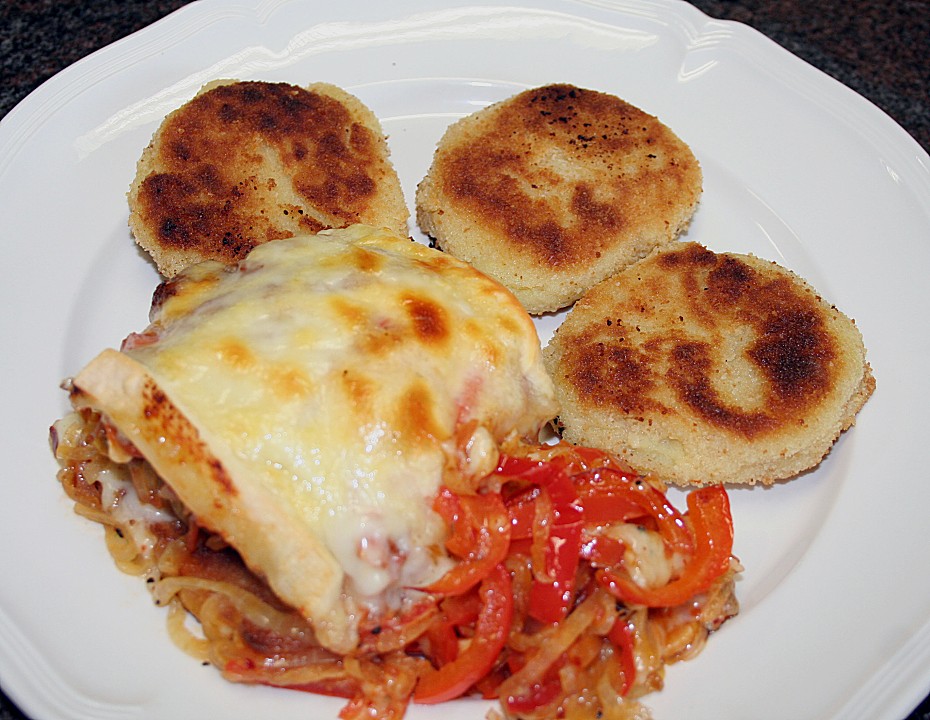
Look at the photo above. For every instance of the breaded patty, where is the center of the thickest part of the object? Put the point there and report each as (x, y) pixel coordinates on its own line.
(243, 163)
(703, 367)
(555, 189)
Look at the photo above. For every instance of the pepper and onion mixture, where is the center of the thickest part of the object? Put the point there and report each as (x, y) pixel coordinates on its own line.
(576, 582)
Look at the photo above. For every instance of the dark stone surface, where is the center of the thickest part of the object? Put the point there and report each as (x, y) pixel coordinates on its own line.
(879, 49)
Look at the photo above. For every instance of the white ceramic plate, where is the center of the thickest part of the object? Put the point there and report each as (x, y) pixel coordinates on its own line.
(798, 169)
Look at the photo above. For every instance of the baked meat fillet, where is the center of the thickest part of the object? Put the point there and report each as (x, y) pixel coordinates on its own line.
(307, 404)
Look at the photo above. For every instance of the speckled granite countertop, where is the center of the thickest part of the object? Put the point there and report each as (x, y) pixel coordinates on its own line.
(879, 49)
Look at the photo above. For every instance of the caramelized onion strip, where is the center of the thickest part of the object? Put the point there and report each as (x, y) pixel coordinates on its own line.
(255, 610)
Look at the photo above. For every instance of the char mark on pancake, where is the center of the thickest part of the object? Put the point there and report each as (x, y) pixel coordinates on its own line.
(244, 163)
(557, 188)
(709, 367)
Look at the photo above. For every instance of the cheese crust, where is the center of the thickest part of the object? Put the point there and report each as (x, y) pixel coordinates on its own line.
(307, 404)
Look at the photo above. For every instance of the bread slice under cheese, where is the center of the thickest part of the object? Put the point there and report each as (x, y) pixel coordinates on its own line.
(703, 368)
(307, 404)
(246, 162)
(555, 189)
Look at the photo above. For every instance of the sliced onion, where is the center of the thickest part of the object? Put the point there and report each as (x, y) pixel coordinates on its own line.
(257, 611)
(181, 635)
(553, 643)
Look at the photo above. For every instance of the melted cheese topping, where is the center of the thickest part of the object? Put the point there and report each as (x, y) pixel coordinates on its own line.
(645, 556)
(340, 369)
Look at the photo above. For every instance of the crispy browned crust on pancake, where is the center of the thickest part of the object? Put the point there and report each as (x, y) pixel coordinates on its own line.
(244, 163)
(555, 189)
(704, 367)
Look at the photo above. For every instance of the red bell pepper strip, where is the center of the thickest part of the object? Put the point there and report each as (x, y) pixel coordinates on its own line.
(483, 518)
(461, 609)
(540, 694)
(621, 635)
(603, 550)
(475, 661)
(443, 643)
(550, 601)
(556, 549)
(524, 469)
(547, 512)
(522, 511)
(609, 496)
(462, 532)
(712, 526)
